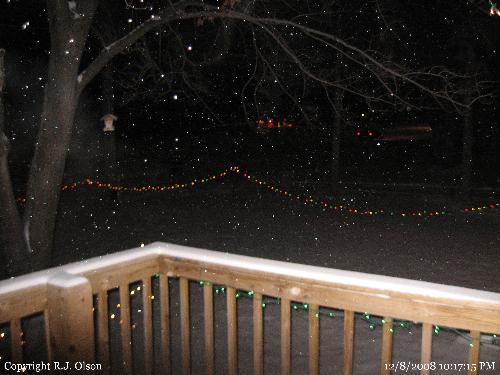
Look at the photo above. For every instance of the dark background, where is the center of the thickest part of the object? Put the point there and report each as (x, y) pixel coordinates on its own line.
(210, 124)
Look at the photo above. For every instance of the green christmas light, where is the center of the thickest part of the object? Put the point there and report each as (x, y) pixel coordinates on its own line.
(372, 323)
(308, 200)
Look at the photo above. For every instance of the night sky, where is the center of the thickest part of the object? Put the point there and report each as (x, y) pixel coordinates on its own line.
(409, 33)
(221, 72)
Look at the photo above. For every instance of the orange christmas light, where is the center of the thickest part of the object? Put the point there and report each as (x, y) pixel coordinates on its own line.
(306, 200)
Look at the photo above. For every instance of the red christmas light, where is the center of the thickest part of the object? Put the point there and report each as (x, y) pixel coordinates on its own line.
(306, 200)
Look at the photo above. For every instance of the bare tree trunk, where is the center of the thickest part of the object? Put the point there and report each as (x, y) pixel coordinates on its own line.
(338, 125)
(336, 139)
(108, 139)
(470, 62)
(12, 247)
(68, 31)
(48, 164)
(107, 90)
(467, 144)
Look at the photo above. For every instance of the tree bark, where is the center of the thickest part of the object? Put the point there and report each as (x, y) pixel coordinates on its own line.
(468, 124)
(107, 90)
(12, 248)
(338, 126)
(108, 139)
(336, 140)
(467, 145)
(68, 31)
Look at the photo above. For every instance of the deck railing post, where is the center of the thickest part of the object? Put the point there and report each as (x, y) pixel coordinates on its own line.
(64, 297)
(71, 321)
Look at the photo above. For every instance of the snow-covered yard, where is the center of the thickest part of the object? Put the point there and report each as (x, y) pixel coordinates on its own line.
(239, 215)
(230, 214)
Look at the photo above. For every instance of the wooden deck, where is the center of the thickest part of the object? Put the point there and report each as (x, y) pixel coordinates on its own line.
(74, 301)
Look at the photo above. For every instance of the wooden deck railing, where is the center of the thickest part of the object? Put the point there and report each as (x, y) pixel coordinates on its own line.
(73, 301)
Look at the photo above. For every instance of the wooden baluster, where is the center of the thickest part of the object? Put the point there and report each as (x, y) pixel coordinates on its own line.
(313, 339)
(50, 355)
(426, 352)
(165, 324)
(103, 330)
(185, 326)
(258, 335)
(348, 341)
(126, 333)
(148, 325)
(386, 347)
(474, 352)
(285, 337)
(208, 308)
(16, 341)
(232, 332)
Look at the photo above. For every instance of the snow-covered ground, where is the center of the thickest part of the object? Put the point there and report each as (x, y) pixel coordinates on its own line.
(233, 215)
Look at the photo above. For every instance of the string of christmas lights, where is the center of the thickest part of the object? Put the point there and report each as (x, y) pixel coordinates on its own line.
(331, 313)
(327, 312)
(324, 204)
(139, 189)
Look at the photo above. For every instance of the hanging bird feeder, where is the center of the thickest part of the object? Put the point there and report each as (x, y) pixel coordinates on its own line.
(109, 120)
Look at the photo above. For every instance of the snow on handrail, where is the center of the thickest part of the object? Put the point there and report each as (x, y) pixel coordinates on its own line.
(215, 258)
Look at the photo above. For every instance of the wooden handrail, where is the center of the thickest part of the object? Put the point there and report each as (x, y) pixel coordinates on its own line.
(53, 292)
(437, 304)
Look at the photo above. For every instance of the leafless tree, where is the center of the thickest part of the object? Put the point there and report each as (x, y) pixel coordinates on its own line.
(279, 28)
